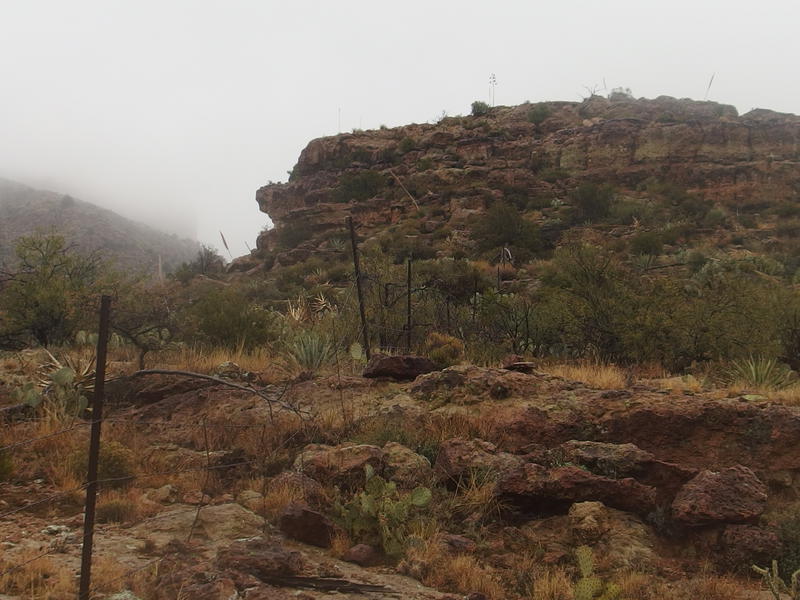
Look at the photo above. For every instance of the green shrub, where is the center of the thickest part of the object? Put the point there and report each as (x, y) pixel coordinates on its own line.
(292, 235)
(647, 243)
(503, 225)
(116, 464)
(479, 108)
(553, 174)
(538, 113)
(592, 201)
(225, 317)
(407, 144)
(359, 186)
(444, 350)
(6, 466)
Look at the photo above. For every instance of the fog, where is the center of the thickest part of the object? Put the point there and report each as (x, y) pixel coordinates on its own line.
(175, 112)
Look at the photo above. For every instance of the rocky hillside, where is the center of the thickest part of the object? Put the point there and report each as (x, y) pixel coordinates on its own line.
(669, 162)
(132, 245)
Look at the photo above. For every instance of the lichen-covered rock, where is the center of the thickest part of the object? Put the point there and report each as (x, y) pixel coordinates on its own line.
(732, 495)
(299, 486)
(341, 465)
(622, 539)
(404, 466)
(460, 458)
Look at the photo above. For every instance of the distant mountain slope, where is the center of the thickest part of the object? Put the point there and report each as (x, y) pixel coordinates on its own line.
(131, 245)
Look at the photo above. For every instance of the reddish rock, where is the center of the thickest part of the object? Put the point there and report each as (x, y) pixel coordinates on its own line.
(342, 465)
(308, 526)
(733, 495)
(628, 460)
(536, 486)
(262, 558)
(300, 485)
(363, 555)
(458, 458)
(744, 545)
(399, 368)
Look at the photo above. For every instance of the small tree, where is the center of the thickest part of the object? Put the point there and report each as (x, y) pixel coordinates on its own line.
(145, 316)
(479, 108)
(45, 294)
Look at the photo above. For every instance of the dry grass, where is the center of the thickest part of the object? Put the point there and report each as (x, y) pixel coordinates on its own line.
(604, 377)
(552, 584)
(789, 396)
(431, 562)
(205, 360)
(474, 499)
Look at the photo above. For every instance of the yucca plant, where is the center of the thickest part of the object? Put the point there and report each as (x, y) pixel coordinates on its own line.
(310, 350)
(761, 373)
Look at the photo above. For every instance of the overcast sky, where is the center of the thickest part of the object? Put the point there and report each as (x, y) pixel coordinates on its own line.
(175, 112)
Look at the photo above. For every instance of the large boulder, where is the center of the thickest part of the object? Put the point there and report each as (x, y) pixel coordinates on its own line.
(399, 368)
(262, 558)
(732, 495)
(741, 546)
(459, 458)
(404, 466)
(535, 486)
(628, 460)
(342, 465)
(299, 486)
(308, 526)
(622, 539)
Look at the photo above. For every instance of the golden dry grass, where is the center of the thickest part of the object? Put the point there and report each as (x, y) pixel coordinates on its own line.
(463, 573)
(551, 584)
(604, 377)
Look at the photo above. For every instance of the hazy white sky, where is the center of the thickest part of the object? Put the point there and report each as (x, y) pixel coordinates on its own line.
(176, 111)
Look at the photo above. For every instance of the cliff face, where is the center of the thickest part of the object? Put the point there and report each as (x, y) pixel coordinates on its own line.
(457, 167)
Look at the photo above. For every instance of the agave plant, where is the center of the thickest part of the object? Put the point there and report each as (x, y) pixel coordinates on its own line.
(309, 350)
(761, 373)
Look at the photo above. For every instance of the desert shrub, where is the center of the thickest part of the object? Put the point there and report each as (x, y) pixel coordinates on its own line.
(503, 225)
(359, 186)
(748, 221)
(407, 144)
(225, 317)
(479, 108)
(538, 113)
(6, 466)
(292, 235)
(788, 228)
(444, 350)
(787, 209)
(716, 217)
(648, 243)
(789, 534)
(553, 174)
(116, 464)
(592, 201)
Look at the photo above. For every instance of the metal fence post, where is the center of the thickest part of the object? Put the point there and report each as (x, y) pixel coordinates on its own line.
(94, 450)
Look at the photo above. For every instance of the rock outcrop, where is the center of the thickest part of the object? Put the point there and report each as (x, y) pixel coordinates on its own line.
(451, 170)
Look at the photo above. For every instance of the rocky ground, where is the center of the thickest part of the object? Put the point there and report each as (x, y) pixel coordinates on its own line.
(676, 492)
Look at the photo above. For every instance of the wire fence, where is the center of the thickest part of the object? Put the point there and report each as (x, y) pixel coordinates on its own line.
(207, 460)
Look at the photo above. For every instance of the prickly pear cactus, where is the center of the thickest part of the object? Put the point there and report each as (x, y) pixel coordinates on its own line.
(590, 586)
